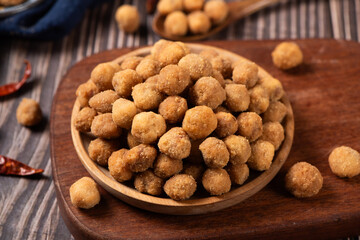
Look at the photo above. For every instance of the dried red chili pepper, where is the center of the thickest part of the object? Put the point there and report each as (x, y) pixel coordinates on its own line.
(10, 166)
(13, 87)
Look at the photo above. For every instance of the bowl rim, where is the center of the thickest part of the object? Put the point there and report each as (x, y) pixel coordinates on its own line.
(185, 207)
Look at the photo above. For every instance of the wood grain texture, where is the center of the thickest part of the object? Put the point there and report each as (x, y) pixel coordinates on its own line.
(324, 96)
(195, 205)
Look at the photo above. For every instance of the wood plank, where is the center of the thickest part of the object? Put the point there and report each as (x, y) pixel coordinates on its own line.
(326, 104)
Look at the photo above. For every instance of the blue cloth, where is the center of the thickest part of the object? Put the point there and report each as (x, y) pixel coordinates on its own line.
(49, 20)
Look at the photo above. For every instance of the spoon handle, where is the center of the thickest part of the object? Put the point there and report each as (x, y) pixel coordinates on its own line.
(240, 9)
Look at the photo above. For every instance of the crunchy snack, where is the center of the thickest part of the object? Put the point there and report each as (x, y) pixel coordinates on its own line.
(103, 101)
(132, 141)
(147, 127)
(239, 149)
(148, 182)
(180, 187)
(245, 73)
(216, 181)
(238, 173)
(103, 126)
(216, 10)
(173, 109)
(100, 150)
(262, 154)
(84, 119)
(250, 125)
(275, 112)
(237, 97)
(273, 88)
(287, 55)
(273, 132)
(193, 5)
(175, 143)
(140, 158)
(214, 152)
(176, 24)
(85, 91)
(123, 112)
(227, 124)
(194, 169)
(207, 91)
(128, 18)
(199, 122)
(199, 22)
(173, 80)
(102, 75)
(166, 166)
(259, 99)
(118, 166)
(146, 96)
(131, 62)
(148, 68)
(196, 65)
(167, 52)
(345, 162)
(28, 113)
(123, 82)
(165, 7)
(303, 180)
(84, 193)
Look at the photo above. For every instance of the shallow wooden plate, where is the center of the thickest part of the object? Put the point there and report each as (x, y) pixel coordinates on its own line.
(195, 205)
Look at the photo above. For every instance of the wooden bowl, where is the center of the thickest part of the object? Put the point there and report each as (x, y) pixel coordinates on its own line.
(194, 205)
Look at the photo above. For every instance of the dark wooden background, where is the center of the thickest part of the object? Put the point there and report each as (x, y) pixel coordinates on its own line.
(28, 207)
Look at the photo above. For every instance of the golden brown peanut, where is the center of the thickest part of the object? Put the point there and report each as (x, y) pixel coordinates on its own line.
(250, 125)
(84, 119)
(275, 112)
(103, 126)
(180, 187)
(223, 65)
(245, 73)
(287, 55)
(166, 166)
(221, 109)
(103, 101)
(196, 65)
(165, 7)
(128, 18)
(153, 79)
(173, 109)
(262, 154)
(123, 112)
(85, 91)
(118, 166)
(259, 99)
(146, 96)
(239, 149)
(237, 97)
(198, 22)
(207, 91)
(148, 182)
(303, 180)
(123, 82)
(100, 150)
(140, 158)
(184, 46)
(216, 181)
(175, 143)
(131, 141)
(173, 80)
(131, 62)
(147, 127)
(273, 88)
(28, 113)
(238, 173)
(193, 5)
(194, 169)
(176, 24)
(148, 68)
(218, 76)
(216, 10)
(227, 124)
(273, 132)
(209, 53)
(199, 122)
(214, 152)
(167, 52)
(102, 76)
(84, 193)
(345, 162)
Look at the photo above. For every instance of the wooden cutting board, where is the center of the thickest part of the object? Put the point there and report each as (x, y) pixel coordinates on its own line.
(325, 96)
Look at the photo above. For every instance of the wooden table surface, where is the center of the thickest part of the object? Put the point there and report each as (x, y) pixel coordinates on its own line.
(28, 207)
